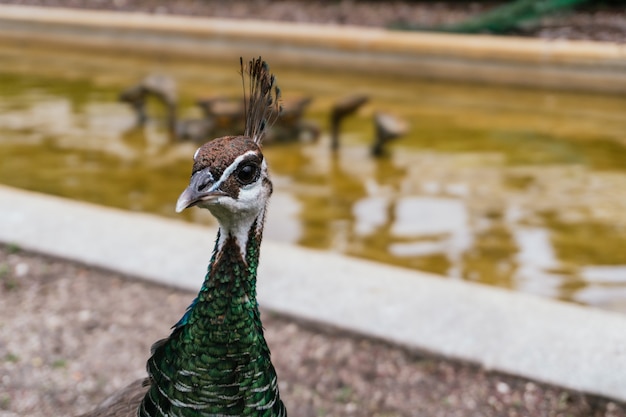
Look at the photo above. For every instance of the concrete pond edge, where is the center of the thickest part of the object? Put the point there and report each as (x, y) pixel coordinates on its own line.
(527, 62)
(549, 341)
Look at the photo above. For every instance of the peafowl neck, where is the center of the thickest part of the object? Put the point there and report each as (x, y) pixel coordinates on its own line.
(230, 282)
(216, 361)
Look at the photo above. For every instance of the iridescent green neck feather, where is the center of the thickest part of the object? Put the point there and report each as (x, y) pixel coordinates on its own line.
(216, 361)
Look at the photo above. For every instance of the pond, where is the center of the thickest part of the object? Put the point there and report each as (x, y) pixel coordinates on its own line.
(521, 189)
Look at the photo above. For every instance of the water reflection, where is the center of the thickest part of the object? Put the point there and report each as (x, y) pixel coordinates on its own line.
(528, 194)
(535, 258)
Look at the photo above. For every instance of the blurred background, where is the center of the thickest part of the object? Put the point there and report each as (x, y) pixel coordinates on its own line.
(519, 188)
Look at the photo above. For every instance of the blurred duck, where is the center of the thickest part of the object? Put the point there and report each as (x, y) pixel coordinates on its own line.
(342, 108)
(291, 124)
(225, 112)
(388, 127)
(228, 114)
(163, 88)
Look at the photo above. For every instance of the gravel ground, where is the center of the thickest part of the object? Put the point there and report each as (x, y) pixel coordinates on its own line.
(71, 334)
(599, 20)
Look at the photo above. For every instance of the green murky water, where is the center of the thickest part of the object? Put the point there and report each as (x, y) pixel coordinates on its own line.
(515, 188)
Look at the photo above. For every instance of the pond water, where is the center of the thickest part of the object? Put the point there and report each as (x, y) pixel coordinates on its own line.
(522, 189)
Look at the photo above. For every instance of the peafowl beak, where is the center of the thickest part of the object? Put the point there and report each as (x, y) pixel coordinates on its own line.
(201, 188)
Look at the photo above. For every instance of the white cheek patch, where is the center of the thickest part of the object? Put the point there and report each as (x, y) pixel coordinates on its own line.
(195, 154)
(250, 194)
(238, 227)
(236, 217)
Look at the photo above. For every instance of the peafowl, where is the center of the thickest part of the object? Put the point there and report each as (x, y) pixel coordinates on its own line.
(216, 361)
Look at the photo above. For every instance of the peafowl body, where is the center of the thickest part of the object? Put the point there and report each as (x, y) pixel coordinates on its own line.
(216, 361)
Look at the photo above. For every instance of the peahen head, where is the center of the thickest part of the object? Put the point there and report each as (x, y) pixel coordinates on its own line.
(229, 178)
(229, 175)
